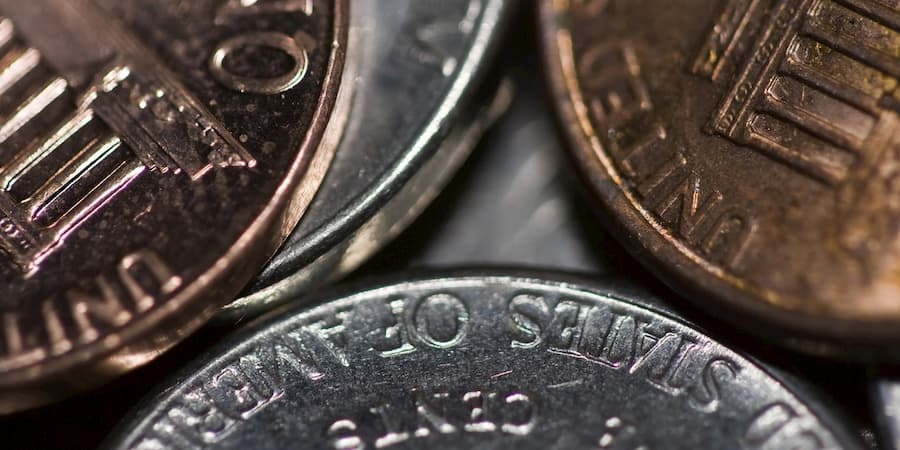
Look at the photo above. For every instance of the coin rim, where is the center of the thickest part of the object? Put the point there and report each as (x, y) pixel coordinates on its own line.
(321, 245)
(611, 288)
(183, 313)
(691, 276)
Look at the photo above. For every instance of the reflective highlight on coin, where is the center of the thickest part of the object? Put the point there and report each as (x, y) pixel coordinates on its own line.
(745, 149)
(398, 151)
(138, 186)
(487, 361)
(886, 402)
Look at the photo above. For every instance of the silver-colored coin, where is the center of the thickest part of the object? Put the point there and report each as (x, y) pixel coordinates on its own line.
(410, 126)
(886, 396)
(514, 203)
(480, 361)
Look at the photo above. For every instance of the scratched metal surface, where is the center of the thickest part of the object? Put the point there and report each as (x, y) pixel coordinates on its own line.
(519, 192)
(487, 361)
(415, 116)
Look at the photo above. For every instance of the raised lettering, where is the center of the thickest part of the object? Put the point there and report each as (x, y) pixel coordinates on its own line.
(267, 86)
(527, 419)
(618, 346)
(393, 435)
(328, 334)
(342, 435)
(664, 172)
(106, 308)
(238, 394)
(17, 354)
(440, 321)
(147, 278)
(59, 343)
(778, 425)
(392, 340)
(708, 393)
(676, 376)
(597, 327)
(197, 417)
(514, 413)
(693, 211)
(563, 332)
(427, 411)
(729, 236)
(527, 316)
(478, 404)
(612, 73)
(291, 351)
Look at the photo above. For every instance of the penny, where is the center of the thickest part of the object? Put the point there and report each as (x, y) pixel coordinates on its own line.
(416, 114)
(151, 156)
(479, 361)
(746, 152)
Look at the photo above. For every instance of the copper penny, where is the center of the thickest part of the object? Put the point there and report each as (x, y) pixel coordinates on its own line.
(153, 155)
(747, 151)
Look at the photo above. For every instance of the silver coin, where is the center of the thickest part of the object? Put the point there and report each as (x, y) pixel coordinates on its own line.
(886, 393)
(515, 203)
(480, 361)
(410, 126)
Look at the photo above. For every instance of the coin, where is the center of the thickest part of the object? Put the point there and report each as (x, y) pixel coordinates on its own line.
(415, 116)
(745, 151)
(886, 402)
(513, 193)
(151, 156)
(482, 360)
(515, 190)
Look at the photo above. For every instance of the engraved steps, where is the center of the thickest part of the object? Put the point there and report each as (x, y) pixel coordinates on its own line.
(859, 31)
(82, 115)
(813, 88)
(15, 66)
(58, 162)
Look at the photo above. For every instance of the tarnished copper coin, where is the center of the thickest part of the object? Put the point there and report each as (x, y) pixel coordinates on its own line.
(153, 154)
(748, 150)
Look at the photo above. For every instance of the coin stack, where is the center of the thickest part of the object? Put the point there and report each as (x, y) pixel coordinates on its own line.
(492, 224)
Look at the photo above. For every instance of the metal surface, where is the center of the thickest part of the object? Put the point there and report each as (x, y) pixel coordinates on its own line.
(886, 396)
(514, 203)
(149, 164)
(415, 117)
(478, 361)
(745, 151)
